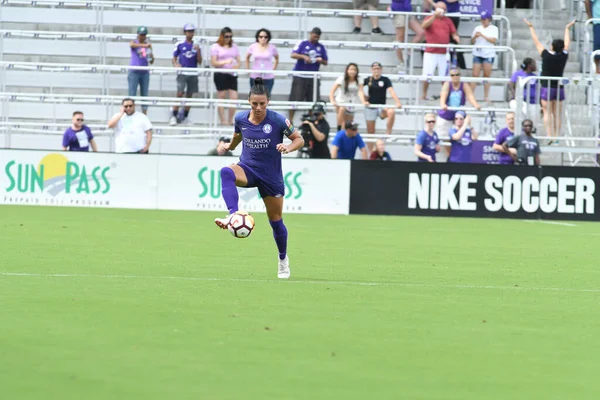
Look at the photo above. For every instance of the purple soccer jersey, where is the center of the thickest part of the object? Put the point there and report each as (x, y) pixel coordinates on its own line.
(428, 143)
(461, 148)
(313, 50)
(187, 54)
(259, 143)
(502, 136)
(77, 140)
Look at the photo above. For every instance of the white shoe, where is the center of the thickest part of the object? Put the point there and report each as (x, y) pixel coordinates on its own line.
(283, 272)
(173, 121)
(223, 223)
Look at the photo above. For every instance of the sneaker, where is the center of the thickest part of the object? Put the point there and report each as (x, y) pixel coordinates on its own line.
(356, 30)
(377, 31)
(401, 67)
(223, 223)
(173, 121)
(283, 272)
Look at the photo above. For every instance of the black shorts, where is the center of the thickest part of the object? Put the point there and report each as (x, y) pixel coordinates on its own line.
(302, 89)
(225, 81)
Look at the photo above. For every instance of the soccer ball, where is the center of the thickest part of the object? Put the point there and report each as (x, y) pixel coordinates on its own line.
(241, 224)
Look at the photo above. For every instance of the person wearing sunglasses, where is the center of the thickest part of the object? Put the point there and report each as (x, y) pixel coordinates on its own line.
(78, 137)
(454, 94)
(141, 56)
(505, 134)
(462, 136)
(264, 57)
(524, 148)
(133, 130)
(224, 54)
(428, 142)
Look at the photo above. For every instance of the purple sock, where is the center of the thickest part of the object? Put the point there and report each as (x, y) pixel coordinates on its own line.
(280, 235)
(228, 189)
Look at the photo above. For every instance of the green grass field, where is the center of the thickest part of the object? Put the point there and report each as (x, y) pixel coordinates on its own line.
(124, 304)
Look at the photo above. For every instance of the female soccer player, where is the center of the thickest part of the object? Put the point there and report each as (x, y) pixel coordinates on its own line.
(261, 132)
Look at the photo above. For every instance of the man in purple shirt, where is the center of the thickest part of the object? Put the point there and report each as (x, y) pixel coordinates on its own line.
(503, 136)
(78, 137)
(186, 55)
(310, 54)
(141, 56)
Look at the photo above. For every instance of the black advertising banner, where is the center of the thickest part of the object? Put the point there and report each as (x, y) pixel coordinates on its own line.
(494, 191)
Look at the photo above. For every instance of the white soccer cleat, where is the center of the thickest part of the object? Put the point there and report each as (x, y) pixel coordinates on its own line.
(283, 272)
(173, 121)
(223, 223)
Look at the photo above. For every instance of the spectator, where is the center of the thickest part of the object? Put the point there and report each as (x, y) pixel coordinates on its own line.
(141, 56)
(553, 65)
(515, 4)
(310, 54)
(366, 5)
(226, 55)
(485, 37)
(133, 130)
(380, 153)
(400, 25)
(221, 149)
(452, 7)
(462, 136)
(454, 94)
(505, 134)
(427, 143)
(78, 137)
(438, 30)
(186, 55)
(377, 88)
(265, 58)
(592, 7)
(524, 149)
(347, 141)
(350, 91)
(528, 68)
(316, 133)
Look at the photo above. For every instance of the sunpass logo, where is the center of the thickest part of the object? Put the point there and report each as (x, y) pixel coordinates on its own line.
(54, 175)
(210, 182)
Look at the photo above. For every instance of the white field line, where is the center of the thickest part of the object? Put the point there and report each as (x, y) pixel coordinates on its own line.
(305, 282)
(541, 221)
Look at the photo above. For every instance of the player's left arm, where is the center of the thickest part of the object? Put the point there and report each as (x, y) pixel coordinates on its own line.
(297, 143)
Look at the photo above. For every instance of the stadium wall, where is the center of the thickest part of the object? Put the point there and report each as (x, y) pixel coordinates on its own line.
(464, 190)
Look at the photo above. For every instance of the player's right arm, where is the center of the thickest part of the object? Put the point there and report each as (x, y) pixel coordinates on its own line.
(235, 141)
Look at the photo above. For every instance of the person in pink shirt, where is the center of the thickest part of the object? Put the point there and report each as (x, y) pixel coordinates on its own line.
(264, 58)
(226, 55)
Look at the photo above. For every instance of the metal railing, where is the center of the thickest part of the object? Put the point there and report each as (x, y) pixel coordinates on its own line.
(587, 45)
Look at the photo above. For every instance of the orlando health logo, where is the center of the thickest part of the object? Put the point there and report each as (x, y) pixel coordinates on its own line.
(55, 174)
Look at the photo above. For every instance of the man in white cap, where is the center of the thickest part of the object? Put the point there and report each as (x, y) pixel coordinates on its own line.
(186, 55)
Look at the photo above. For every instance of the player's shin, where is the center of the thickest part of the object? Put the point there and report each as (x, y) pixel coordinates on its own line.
(280, 234)
(229, 190)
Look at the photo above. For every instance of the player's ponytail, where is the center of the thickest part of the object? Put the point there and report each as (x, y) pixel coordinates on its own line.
(259, 88)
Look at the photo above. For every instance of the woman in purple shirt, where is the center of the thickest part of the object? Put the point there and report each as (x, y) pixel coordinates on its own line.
(528, 68)
(265, 58)
(427, 143)
(226, 55)
(141, 56)
(462, 136)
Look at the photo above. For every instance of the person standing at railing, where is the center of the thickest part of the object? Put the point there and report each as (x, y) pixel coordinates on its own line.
(484, 37)
(528, 68)
(346, 142)
(462, 135)
(370, 5)
(349, 89)
(187, 54)
(309, 55)
(454, 94)
(378, 87)
(524, 148)
(141, 56)
(553, 65)
(505, 134)
(428, 142)
(592, 7)
(133, 130)
(264, 58)
(224, 54)
(452, 7)
(438, 30)
(400, 25)
(78, 137)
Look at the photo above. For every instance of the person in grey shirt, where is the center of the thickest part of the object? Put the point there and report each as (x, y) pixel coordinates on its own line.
(524, 149)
